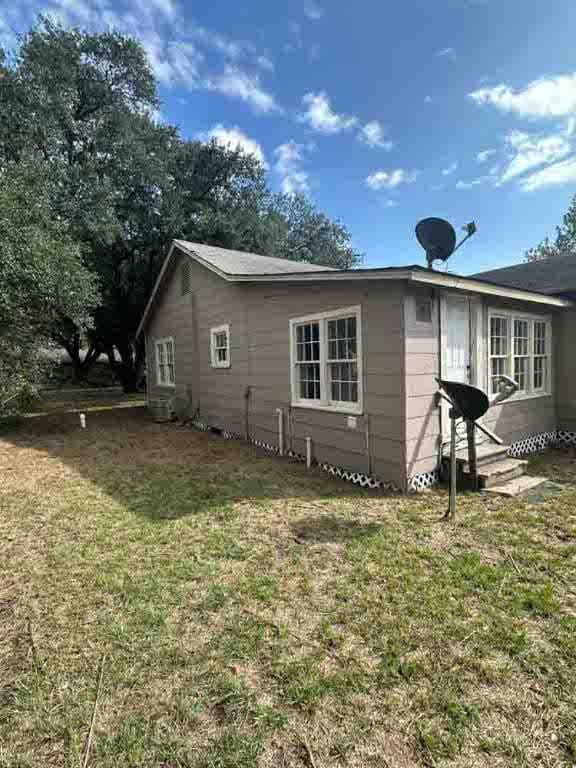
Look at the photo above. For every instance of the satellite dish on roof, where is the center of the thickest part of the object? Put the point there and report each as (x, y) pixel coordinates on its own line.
(438, 238)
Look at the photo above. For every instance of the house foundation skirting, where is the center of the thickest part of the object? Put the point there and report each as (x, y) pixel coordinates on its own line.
(356, 478)
(533, 444)
(417, 483)
(565, 438)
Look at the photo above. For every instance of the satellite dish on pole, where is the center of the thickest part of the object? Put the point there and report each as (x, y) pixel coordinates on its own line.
(438, 238)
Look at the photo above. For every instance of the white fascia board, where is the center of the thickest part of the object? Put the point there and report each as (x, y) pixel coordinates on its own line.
(490, 289)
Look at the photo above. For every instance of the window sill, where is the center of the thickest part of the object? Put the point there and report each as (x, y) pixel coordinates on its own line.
(525, 396)
(165, 386)
(354, 409)
(221, 366)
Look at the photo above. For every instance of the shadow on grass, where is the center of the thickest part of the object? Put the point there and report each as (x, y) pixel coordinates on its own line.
(166, 471)
(325, 529)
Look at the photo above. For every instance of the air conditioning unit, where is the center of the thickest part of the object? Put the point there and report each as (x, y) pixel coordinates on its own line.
(161, 409)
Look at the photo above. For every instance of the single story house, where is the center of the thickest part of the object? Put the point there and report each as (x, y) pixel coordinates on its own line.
(295, 356)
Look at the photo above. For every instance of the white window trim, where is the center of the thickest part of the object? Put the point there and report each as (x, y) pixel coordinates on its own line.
(325, 404)
(157, 343)
(213, 358)
(510, 316)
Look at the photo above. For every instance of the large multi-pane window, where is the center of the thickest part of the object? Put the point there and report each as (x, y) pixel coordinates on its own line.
(520, 347)
(165, 362)
(326, 360)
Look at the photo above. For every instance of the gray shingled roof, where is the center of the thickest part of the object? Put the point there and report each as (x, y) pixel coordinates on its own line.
(240, 263)
(553, 276)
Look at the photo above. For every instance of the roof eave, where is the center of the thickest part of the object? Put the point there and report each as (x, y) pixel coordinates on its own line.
(416, 276)
(422, 276)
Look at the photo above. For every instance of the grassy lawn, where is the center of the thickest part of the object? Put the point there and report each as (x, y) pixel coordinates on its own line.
(252, 613)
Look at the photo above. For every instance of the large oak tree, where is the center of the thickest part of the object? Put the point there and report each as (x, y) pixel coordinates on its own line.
(125, 185)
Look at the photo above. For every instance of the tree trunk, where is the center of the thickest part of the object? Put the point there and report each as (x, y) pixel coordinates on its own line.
(80, 368)
(129, 369)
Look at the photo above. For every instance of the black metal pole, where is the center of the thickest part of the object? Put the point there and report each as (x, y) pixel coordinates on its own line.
(472, 459)
(454, 414)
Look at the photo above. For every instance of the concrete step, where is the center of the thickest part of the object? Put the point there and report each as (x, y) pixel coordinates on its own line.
(517, 486)
(485, 454)
(501, 471)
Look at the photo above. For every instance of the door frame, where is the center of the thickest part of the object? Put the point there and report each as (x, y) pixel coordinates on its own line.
(476, 352)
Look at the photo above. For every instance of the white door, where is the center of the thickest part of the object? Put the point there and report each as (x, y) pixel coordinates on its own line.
(456, 365)
(456, 343)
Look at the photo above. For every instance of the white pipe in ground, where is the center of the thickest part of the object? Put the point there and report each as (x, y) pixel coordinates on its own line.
(280, 413)
(308, 452)
(83, 421)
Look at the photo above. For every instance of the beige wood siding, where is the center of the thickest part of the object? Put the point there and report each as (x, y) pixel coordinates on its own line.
(398, 434)
(422, 426)
(512, 421)
(375, 444)
(257, 383)
(172, 316)
(565, 369)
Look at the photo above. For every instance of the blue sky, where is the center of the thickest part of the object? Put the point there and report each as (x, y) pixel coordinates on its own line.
(382, 112)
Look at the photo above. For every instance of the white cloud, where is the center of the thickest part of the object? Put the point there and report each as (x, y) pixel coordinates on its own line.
(321, 117)
(312, 10)
(474, 183)
(390, 179)
(176, 45)
(427, 99)
(528, 152)
(559, 173)
(372, 134)
(390, 204)
(545, 97)
(232, 49)
(234, 138)
(484, 155)
(236, 83)
(288, 166)
(265, 62)
(448, 171)
(447, 53)
(184, 62)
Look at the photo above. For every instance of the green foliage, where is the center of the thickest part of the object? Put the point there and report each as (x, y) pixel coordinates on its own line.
(80, 106)
(564, 242)
(43, 282)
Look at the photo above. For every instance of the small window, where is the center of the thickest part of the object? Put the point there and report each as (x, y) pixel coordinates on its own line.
(423, 309)
(185, 277)
(165, 376)
(220, 346)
